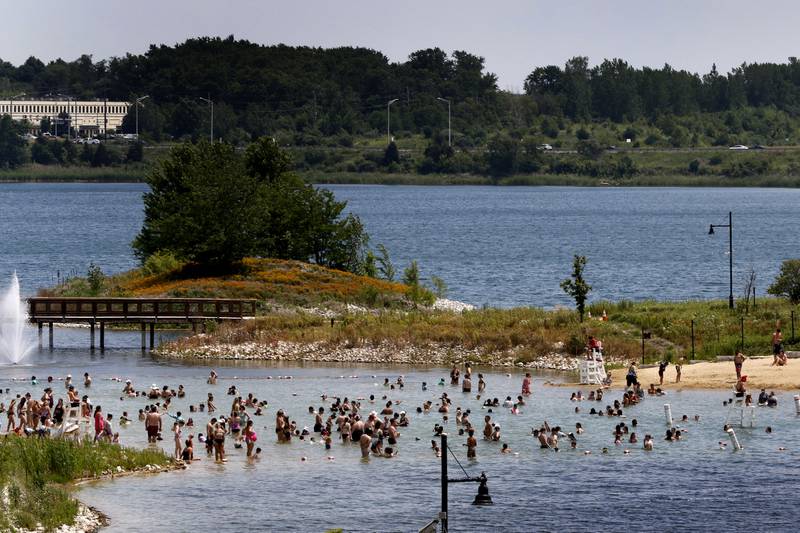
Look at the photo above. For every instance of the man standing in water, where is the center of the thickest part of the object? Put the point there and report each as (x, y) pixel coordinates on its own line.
(365, 441)
(152, 424)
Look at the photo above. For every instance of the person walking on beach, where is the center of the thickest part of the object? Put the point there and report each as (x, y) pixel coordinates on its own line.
(777, 342)
(631, 377)
(662, 366)
(738, 361)
(678, 366)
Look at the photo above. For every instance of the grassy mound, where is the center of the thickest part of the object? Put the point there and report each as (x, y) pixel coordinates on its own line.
(272, 281)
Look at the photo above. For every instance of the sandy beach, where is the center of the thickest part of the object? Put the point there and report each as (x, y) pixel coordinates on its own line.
(721, 375)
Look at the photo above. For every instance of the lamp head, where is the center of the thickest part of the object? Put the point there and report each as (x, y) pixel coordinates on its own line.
(483, 498)
(711, 229)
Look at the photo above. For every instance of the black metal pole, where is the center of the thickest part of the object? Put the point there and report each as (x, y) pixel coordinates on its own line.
(692, 339)
(443, 515)
(642, 346)
(730, 256)
(792, 326)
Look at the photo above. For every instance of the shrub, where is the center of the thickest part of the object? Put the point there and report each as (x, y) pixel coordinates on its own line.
(161, 262)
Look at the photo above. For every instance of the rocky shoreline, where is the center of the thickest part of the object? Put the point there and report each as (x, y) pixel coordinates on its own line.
(384, 353)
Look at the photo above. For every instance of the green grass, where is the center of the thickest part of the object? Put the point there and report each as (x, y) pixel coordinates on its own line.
(56, 173)
(34, 472)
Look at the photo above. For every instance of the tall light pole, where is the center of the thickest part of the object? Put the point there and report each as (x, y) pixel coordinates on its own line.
(449, 134)
(11, 111)
(69, 113)
(137, 103)
(729, 225)
(211, 103)
(389, 121)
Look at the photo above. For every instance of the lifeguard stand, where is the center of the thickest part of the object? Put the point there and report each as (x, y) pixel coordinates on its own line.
(593, 372)
(745, 414)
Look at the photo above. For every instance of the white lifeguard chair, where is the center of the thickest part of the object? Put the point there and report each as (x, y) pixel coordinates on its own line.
(593, 372)
(744, 414)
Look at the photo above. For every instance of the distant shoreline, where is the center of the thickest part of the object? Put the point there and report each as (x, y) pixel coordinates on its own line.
(112, 175)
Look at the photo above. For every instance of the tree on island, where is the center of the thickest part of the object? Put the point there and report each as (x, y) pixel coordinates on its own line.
(212, 206)
(787, 282)
(576, 286)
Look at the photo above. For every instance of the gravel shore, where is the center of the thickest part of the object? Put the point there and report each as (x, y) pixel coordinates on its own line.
(385, 353)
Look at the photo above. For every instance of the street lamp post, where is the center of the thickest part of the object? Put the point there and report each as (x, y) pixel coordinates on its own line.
(389, 121)
(449, 135)
(482, 498)
(211, 103)
(11, 111)
(729, 225)
(137, 103)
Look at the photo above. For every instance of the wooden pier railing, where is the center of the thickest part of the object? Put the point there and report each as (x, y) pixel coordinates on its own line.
(144, 311)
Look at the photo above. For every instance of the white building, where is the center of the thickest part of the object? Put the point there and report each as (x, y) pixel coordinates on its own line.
(89, 116)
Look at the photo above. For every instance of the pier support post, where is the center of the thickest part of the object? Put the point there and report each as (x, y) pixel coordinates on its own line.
(152, 335)
(40, 333)
(91, 335)
(50, 334)
(144, 336)
(102, 336)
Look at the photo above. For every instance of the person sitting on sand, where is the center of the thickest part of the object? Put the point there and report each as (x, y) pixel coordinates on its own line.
(779, 359)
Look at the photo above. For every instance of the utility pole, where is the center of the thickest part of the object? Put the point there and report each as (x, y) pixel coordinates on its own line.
(210, 103)
(389, 122)
(137, 103)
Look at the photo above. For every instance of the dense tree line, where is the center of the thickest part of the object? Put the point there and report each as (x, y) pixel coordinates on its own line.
(326, 100)
(313, 91)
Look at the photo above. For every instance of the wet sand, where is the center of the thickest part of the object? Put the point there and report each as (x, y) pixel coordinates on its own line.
(721, 375)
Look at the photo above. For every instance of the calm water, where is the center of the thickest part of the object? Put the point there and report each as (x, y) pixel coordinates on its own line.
(689, 485)
(503, 246)
(500, 246)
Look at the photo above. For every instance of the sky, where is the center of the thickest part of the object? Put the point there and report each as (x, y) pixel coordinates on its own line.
(514, 36)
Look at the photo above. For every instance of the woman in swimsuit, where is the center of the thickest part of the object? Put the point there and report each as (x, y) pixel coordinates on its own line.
(250, 437)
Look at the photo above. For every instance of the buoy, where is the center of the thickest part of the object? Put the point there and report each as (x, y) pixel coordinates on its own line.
(668, 414)
(797, 404)
(734, 440)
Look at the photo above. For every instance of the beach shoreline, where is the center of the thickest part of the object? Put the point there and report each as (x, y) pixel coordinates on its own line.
(720, 375)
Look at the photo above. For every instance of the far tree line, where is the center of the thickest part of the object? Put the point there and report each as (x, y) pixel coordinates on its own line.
(312, 92)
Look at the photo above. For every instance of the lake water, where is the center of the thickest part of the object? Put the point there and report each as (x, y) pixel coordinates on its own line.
(690, 485)
(502, 246)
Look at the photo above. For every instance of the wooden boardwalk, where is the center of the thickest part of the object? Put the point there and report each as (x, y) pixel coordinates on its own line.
(143, 311)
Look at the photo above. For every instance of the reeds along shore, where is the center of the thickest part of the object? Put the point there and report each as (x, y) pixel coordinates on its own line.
(34, 473)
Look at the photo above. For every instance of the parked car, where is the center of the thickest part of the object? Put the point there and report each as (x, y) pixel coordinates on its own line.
(545, 147)
(738, 147)
(92, 141)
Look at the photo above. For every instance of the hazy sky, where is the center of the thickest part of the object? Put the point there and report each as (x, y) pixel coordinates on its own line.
(514, 35)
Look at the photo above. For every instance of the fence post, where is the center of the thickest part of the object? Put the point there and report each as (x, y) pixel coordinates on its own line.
(742, 333)
(754, 296)
(792, 326)
(642, 345)
(692, 338)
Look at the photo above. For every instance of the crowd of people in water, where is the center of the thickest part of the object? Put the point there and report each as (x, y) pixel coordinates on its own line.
(374, 424)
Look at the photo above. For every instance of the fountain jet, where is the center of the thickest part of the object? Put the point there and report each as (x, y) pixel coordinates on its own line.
(15, 343)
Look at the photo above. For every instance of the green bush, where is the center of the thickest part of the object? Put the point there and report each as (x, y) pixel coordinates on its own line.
(161, 263)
